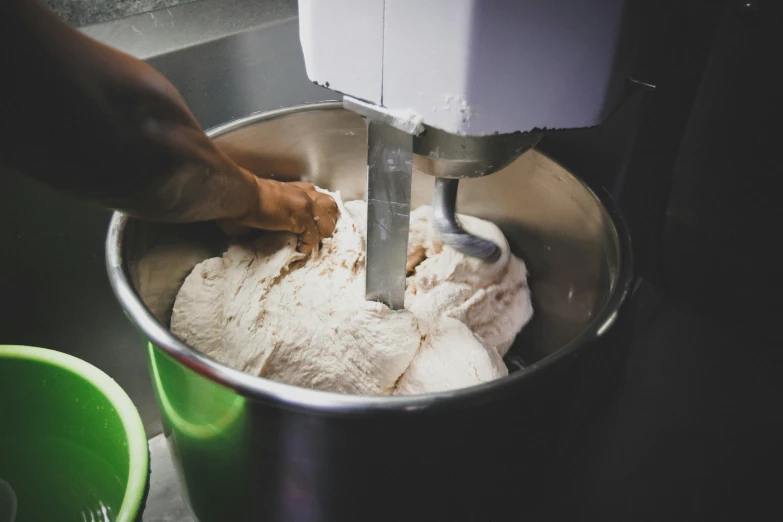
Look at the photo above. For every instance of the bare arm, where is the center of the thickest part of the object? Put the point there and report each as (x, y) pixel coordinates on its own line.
(99, 124)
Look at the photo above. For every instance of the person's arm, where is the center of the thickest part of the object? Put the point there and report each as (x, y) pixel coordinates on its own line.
(99, 124)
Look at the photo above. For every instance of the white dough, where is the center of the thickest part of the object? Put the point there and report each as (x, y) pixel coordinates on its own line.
(267, 310)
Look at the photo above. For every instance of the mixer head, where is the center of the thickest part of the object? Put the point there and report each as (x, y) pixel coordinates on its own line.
(446, 155)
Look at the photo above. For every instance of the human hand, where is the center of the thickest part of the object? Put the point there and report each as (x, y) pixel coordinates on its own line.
(137, 148)
(296, 207)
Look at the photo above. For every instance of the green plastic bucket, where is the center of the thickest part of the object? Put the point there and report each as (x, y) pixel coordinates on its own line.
(72, 444)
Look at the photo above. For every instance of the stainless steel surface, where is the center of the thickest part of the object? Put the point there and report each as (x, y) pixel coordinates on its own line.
(255, 70)
(176, 28)
(164, 502)
(444, 213)
(446, 155)
(251, 449)
(389, 177)
(405, 121)
(80, 13)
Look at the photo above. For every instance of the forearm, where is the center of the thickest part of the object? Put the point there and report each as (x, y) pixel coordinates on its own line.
(93, 122)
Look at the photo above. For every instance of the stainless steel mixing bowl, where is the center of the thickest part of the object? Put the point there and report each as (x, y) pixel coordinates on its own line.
(252, 449)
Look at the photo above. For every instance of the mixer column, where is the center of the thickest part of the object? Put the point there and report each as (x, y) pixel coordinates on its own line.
(389, 175)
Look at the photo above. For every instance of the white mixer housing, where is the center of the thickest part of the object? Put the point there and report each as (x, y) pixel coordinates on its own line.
(472, 67)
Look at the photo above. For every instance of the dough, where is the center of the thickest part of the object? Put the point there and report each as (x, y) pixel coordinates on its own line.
(265, 309)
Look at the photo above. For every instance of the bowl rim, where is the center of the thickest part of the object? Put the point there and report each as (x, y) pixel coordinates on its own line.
(332, 403)
(138, 450)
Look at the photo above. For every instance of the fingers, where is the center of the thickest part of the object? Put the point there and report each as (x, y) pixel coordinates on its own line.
(326, 213)
(297, 207)
(309, 236)
(320, 218)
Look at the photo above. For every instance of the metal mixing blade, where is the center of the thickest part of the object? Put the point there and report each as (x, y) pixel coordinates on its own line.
(389, 175)
(444, 209)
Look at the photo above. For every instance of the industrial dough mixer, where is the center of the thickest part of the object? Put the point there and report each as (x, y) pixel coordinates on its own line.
(455, 90)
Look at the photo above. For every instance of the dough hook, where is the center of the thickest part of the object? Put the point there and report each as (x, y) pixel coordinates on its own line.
(444, 206)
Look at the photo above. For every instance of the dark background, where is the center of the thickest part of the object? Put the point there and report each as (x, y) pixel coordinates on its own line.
(695, 431)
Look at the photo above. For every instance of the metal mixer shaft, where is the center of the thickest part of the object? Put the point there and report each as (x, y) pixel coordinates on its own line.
(389, 175)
